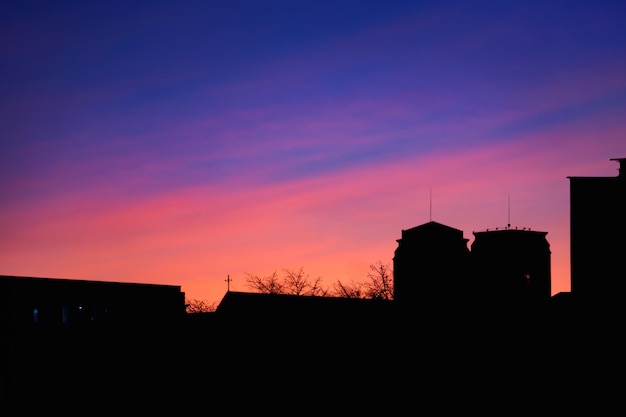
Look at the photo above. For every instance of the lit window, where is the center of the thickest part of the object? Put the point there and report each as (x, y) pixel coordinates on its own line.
(65, 314)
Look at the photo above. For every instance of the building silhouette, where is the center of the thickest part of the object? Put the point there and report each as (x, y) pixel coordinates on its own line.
(598, 235)
(512, 264)
(73, 304)
(433, 264)
(430, 264)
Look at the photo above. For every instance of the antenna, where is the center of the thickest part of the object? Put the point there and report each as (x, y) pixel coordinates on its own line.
(430, 214)
(228, 280)
(509, 211)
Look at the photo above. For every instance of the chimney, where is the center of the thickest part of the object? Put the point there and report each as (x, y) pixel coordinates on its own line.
(622, 164)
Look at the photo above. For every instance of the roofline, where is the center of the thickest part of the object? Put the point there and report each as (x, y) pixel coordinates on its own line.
(85, 281)
(508, 229)
(620, 171)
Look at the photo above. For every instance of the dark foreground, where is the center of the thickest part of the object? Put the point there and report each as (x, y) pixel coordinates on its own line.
(427, 365)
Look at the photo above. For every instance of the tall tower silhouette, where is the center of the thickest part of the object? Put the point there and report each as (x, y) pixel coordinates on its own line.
(598, 234)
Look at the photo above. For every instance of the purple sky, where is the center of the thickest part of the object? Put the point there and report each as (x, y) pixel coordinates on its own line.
(182, 142)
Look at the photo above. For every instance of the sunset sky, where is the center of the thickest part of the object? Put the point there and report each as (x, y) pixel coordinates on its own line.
(184, 142)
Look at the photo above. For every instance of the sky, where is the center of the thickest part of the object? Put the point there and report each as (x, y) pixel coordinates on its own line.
(188, 142)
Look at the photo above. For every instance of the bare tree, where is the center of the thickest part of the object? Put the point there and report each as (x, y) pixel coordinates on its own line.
(269, 284)
(296, 282)
(351, 290)
(380, 284)
(200, 306)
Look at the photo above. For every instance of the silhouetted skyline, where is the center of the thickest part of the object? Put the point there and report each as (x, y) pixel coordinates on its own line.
(79, 346)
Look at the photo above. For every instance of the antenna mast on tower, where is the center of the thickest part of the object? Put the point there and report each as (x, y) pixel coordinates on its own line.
(430, 213)
(509, 211)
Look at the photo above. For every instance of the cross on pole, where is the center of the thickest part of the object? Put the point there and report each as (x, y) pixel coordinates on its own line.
(228, 280)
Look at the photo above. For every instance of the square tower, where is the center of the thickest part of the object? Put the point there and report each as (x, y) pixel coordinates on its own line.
(598, 234)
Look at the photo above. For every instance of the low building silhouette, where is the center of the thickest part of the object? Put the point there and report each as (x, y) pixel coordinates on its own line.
(56, 303)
